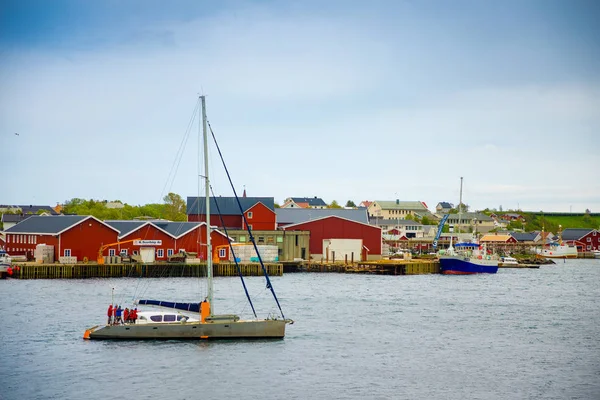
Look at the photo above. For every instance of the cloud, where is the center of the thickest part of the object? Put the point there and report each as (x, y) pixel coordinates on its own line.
(341, 107)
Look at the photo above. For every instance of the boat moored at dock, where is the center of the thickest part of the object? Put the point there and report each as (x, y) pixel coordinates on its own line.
(467, 259)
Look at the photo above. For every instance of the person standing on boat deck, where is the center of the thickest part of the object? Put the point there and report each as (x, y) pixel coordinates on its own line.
(126, 315)
(114, 315)
(133, 315)
(110, 314)
(119, 314)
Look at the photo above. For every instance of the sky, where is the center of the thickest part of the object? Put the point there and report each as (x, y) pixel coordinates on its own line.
(342, 100)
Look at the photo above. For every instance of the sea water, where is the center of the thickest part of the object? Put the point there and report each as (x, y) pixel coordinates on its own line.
(520, 333)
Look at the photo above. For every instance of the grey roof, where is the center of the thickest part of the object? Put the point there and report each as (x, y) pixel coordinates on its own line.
(14, 217)
(524, 236)
(297, 215)
(176, 228)
(29, 208)
(125, 226)
(312, 201)
(465, 217)
(50, 224)
(227, 205)
(392, 221)
(575, 233)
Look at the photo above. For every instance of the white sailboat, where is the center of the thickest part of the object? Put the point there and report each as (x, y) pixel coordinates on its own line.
(206, 325)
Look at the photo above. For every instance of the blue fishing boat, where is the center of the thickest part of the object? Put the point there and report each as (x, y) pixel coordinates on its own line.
(466, 259)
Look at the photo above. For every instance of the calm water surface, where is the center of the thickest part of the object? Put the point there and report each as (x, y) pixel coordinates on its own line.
(519, 334)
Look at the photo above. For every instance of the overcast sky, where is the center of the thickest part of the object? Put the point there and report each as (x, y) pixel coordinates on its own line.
(343, 100)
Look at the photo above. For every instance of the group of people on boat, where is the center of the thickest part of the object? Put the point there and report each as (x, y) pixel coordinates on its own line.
(118, 316)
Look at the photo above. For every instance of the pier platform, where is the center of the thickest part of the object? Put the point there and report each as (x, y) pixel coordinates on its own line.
(159, 270)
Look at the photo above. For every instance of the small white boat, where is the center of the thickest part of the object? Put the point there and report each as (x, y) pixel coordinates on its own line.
(508, 261)
(5, 265)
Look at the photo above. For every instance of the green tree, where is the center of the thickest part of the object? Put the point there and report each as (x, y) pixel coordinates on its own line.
(334, 204)
(175, 207)
(350, 203)
(426, 221)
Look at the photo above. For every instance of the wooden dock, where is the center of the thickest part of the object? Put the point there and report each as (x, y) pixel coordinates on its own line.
(381, 267)
(92, 270)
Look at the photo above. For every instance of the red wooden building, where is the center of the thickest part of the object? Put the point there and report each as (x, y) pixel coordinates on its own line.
(583, 239)
(82, 237)
(225, 212)
(334, 227)
(166, 238)
(71, 235)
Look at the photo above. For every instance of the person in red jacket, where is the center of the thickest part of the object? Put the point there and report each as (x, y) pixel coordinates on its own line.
(110, 314)
(126, 315)
(133, 315)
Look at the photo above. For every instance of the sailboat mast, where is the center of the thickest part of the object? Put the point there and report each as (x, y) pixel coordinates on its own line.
(460, 204)
(209, 269)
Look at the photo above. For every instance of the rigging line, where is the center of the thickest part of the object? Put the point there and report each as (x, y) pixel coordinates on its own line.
(232, 252)
(179, 154)
(269, 286)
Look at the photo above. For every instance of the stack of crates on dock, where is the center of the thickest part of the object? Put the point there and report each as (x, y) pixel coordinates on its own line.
(112, 260)
(44, 254)
(247, 253)
(67, 260)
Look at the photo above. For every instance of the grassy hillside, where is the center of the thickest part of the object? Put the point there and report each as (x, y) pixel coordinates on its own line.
(551, 222)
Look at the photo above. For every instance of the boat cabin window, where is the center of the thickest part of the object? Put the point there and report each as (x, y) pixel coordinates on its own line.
(169, 318)
(156, 318)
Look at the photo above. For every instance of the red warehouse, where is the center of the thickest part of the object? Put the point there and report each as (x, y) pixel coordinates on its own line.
(77, 236)
(332, 237)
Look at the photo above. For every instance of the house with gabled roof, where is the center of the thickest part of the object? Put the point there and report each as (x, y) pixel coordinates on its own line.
(497, 238)
(77, 236)
(397, 209)
(365, 204)
(225, 212)
(512, 217)
(304, 202)
(443, 207)
(165, 238)
(584, 239)
(524, 237)
(471, 222)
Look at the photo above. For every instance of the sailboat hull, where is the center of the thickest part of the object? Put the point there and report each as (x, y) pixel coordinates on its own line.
(259, 329)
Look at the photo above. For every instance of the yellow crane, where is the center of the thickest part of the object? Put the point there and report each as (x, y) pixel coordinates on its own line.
(106, 246)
